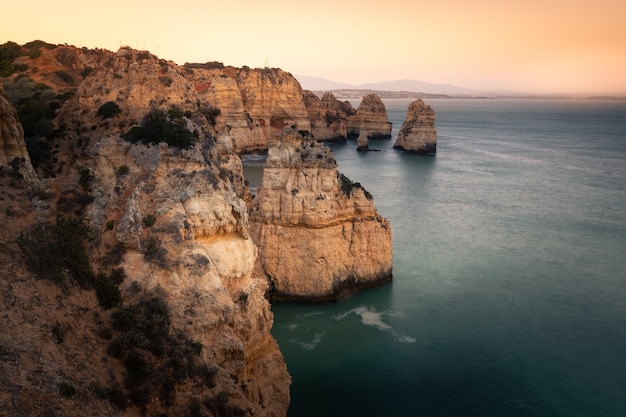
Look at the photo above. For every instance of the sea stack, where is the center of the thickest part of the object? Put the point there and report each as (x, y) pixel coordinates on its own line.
(418, 133)
(362, 142)
(319, 235)
(371, 115)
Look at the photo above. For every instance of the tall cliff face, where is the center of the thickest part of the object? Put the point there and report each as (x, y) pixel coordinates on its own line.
(254, 104)
(328, 121)
(273, 98)
(320, 237)
(169, 220)
(199, 253)
(370, 116)
(418, 133)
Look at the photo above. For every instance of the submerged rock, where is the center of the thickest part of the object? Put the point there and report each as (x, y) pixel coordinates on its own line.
(319, 235)
(418, 133)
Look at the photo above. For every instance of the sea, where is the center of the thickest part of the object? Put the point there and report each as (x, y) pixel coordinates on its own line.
(509, 265)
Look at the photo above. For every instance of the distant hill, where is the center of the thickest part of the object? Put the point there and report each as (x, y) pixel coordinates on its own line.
(411, 86)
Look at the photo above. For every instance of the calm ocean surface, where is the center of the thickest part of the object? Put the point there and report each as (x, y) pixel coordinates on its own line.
(509, 291)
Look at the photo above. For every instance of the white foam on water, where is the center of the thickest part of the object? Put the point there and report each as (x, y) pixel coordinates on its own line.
(373, 318)
(310, 345)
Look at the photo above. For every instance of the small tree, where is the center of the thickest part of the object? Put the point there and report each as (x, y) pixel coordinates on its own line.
(108, 110)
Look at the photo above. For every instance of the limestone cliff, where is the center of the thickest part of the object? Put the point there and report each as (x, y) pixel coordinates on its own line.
(328, 122)
(273, 98)
(418, 133)
(178, 323)
(320, 237)
(254, 104)
(198, 251)
(370, 116)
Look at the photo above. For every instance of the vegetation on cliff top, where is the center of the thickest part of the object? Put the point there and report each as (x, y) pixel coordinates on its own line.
(159, 126)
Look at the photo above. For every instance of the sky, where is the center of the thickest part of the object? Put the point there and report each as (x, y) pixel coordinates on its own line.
(533, 46)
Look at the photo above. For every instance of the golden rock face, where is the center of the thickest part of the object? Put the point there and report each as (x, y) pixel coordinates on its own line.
(319, 238)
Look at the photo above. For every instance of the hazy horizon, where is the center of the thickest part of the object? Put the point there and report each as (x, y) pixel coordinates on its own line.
(550, 46)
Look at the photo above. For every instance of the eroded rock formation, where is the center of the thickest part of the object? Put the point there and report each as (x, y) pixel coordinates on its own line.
(328, 117)
(418, 133)
(254, 104)
(371, 116)
(320, 237)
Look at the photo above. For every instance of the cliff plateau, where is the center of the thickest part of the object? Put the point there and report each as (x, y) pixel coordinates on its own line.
(319, 235)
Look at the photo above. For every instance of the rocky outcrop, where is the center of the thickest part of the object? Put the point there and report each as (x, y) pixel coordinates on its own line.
(418, 133)
(13, 153)
(327, 116)
(319, 235)
(254, 104)
(273, 99)
(199, 253)
(371, 116)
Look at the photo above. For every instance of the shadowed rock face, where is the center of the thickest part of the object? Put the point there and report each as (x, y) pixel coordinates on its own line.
(320, 237)
(370, 116)
(12, 146)
(418, 133)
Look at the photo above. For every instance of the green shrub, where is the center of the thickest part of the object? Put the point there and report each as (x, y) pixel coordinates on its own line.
(110, 225)
(58, 332)
(149, 220)
(67, 78)
(20, 67)
(174, 113)
(9, 51)
(108, 110)
(158, 126)
(66, 389)
(85, 178)
(346, 185)
(51, 250)
(155, 358)
(108, 293)
(86, 71)
(122, 170)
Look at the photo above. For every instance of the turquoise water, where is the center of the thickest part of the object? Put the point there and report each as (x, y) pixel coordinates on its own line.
(509, 284)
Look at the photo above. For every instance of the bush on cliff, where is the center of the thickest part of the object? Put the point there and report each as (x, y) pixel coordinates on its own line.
(53, 250)
(108, 110)
(159, 126)
(155, 357)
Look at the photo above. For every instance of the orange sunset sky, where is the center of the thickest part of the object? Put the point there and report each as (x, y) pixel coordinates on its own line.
(538, 46)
